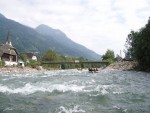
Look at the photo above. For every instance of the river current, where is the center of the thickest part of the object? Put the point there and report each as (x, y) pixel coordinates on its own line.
(73, 91)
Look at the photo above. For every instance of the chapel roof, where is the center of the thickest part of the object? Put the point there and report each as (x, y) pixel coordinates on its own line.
(7, 48)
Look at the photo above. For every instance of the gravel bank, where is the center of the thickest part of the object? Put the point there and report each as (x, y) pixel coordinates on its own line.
(123, 65)
(18, 69)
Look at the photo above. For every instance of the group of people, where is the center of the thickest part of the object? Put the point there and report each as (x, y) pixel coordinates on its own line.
(93, 69)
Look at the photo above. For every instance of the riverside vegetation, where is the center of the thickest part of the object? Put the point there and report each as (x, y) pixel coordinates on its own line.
(51, 55)
(138, 47)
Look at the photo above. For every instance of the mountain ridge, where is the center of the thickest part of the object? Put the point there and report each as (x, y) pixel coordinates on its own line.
(2, 16)
(42, 38)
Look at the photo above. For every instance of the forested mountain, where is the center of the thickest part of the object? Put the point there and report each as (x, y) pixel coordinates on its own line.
(42, 38)
(63, 45)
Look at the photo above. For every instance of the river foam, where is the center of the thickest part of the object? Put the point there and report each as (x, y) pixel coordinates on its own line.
(72, 91)
(70, 86)
(75, 109)
(29, 89)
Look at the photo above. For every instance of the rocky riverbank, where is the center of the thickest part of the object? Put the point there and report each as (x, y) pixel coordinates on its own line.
(123, 65)
(19, 69)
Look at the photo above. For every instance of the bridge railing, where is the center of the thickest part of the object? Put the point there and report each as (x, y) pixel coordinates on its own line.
(82, 62)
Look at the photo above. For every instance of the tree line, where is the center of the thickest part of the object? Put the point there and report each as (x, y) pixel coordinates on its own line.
(138, 47)
(51, 56)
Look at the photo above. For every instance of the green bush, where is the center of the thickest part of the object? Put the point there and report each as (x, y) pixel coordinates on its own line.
(34, 64)
(2, 63)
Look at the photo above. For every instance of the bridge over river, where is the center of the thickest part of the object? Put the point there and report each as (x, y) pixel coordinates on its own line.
(90, 63)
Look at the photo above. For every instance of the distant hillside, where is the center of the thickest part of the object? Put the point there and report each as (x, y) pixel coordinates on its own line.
(64, 45)
(41, 39)
(23, 38)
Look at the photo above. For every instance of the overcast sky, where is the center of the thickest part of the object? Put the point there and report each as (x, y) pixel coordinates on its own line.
(97, 24)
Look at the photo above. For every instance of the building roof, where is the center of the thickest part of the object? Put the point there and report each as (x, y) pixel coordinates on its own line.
(30, 55)
(7, 48)
(8, 40)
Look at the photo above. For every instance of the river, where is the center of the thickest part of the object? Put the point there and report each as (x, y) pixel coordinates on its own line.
(73, 91)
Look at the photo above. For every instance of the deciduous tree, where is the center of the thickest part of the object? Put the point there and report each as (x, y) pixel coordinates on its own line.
(109, 56)
(138, 46)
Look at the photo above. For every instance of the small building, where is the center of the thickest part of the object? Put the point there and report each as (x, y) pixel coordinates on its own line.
(31, 56)
(8, 53)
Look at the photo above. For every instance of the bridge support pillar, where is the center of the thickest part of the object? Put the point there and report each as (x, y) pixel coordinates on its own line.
(60, 66)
